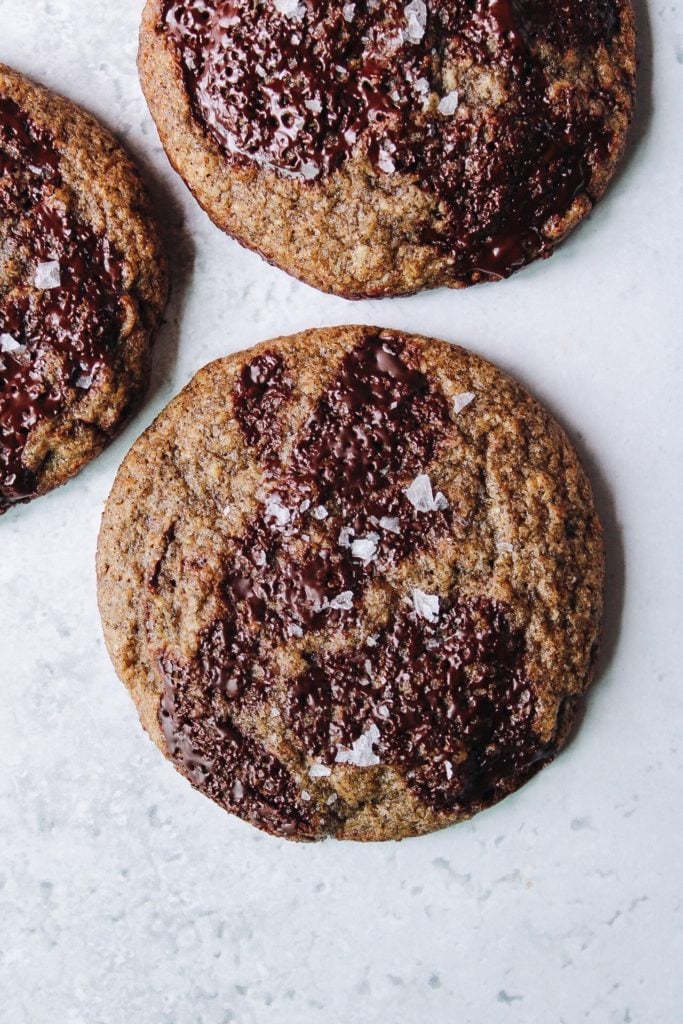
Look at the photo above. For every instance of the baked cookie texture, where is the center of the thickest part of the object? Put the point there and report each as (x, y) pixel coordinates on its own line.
(83, 285)
(376, 149)
(353, 582)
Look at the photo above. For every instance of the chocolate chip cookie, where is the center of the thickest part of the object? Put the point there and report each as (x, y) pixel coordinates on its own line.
(378, 148)
(353, 582)
(82, 287)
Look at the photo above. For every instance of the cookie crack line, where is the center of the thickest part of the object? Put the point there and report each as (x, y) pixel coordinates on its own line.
(438, 693)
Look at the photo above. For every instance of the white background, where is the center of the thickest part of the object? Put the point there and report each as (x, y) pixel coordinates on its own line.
(126, 897)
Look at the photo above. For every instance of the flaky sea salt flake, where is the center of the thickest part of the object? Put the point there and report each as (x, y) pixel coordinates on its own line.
(349, 10)
(421, 496)
(290, 8)
(9, 344)
(384, 160)
(416, 21)
(504, 546)
(320, 512)
(342, 602)
(448, 104)
(390, 523)
(346, 535)
(84, 382)
(425, 605)
(365, 548)
(361, 753)
(276, 511)
(462, 400)
(48, 275)
(319, 771)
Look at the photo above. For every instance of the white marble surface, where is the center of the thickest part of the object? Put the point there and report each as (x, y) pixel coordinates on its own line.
(126, 897)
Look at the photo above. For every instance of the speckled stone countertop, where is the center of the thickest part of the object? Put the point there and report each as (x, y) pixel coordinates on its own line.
(126, 897)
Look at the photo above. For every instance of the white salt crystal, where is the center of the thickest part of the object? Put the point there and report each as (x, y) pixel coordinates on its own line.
(308, 171)
(304, 506)
(8, 344)
(258, 556)
(277, 511)
(274, 712)
(462, 400)
(320, 512)
(365, 548)
(421, 497)
(384, 160)
(383, 711)
(343, 602)
(416, 20)
(371, 641)
(305, 796)
(390, 523)
(361, 753)
(426, 605)
(332, 799)
(48, 275)
(290, 8)
(449, 769)
(346, 535)
(503, 545)
(314, 105)
(295, 630)
(319, 771)
(449, 103)
(238, 790)
(348, 10)
(84, 381)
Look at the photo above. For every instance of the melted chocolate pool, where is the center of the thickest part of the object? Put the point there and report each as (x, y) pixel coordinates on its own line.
(300, 87)
(446, 697)
(53, 340)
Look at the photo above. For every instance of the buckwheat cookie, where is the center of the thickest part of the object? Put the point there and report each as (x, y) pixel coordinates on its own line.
(353, 582)
(82, 287)
(377, 148)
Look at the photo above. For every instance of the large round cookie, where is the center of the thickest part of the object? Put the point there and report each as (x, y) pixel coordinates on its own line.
(82, 286)
(377, 148)
(353, 582)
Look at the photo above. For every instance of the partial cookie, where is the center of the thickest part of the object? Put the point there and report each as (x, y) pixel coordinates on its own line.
(82, 287)
(353, 582)
(376, 149)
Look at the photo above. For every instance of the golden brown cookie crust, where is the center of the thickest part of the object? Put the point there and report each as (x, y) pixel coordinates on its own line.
(360, 233)
(521, 533)
(95, 186)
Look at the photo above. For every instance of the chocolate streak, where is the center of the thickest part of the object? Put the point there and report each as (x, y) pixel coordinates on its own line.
(454, 692)
(65, 334)
(301, 93)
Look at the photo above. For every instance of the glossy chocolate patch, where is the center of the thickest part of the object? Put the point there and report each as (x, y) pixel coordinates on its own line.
(60, 311)
(447, 702)
(230, 767)
(262, 391)
(299, 87)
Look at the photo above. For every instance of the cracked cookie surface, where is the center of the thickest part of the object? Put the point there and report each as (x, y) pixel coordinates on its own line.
(82, 287)
(353, 582)
(380, 148)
